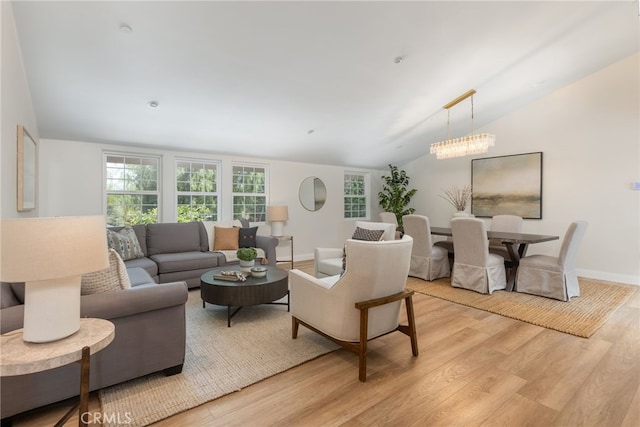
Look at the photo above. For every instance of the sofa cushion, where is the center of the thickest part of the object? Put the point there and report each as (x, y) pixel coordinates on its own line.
(125, 242)
(139, 276)
(146, 263)
(247, 237)
(225, 238)
(174, 237)
(112, 278)
(185, 261)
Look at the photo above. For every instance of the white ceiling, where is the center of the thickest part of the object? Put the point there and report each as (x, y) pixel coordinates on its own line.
(254, 78)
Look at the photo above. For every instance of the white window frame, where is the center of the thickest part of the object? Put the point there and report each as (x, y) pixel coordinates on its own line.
(131, 156)
(347, 195)
(262, 215)
(217, 193)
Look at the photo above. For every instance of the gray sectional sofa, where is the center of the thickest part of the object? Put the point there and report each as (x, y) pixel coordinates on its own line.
(149, 318)
(150, 336)
(180, 251)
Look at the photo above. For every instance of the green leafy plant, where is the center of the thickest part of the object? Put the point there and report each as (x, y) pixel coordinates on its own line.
(247, 254)
(395, 195)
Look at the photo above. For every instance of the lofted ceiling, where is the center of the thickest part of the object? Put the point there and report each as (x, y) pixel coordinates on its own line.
(358, 84)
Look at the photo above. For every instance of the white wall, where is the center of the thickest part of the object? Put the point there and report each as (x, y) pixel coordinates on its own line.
(589, 133)
(72, 183)
(17, 109)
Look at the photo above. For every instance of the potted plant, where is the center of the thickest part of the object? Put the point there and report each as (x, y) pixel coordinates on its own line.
(247, 257)
(395, 196)
(458, 197)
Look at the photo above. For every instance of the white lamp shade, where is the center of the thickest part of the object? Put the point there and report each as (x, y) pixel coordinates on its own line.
(50, 255)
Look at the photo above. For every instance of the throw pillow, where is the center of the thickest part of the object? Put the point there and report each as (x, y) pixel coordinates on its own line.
(225, 238)
(125, 242)
(112, 278)
(369, 235)
(247, 237)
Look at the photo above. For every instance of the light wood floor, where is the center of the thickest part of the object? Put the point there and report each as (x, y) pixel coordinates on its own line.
(474, 369)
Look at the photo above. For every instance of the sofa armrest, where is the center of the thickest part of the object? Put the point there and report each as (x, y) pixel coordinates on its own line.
(139, 299)
(268, 245)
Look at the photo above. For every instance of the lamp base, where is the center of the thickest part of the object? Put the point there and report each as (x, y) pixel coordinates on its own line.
(51, 309)
(277, 228)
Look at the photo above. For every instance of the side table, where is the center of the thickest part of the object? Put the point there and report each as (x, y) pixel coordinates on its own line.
(19, 357)
(290, 240)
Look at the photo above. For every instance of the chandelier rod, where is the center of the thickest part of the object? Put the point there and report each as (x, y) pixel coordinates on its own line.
(459, 99)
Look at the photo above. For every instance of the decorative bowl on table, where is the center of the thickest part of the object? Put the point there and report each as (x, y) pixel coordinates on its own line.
(258, 272)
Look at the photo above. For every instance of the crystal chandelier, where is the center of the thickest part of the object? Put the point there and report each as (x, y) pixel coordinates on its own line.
(467, 145)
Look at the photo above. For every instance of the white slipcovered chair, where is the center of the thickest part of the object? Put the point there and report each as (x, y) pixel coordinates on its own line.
(363, 303)
(428, 262)
(474, 267)
(553, 277)
(390, 218)
(328, 261)
(507, 224)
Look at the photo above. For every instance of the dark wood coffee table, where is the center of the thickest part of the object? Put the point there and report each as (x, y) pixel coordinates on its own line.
(253, 291)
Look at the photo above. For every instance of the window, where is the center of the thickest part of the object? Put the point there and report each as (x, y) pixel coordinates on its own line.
(355, 195)
(249, 192)
(132, 192)
(197, 190)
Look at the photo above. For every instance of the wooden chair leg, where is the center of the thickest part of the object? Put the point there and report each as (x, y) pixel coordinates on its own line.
(362, 352)
(294, 327)
(412, 324)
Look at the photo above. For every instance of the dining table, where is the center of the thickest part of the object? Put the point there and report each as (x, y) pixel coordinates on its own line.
(515, 243)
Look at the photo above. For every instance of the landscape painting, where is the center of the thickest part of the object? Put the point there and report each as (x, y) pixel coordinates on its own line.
(507, 185)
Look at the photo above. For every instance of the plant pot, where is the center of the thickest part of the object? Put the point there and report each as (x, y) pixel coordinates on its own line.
(245, 266)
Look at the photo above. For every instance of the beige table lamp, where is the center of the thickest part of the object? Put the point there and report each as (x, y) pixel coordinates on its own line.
(50, 255)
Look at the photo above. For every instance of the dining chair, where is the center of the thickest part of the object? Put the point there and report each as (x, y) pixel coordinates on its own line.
(390, 218)
(474, 267)
(553, 277)
(507, 224)
(428, 262)
(363, 303)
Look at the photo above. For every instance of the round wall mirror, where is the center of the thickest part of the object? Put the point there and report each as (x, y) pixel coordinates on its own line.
(312, 193)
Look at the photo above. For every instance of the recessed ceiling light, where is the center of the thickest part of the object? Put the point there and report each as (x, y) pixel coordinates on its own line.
(310, 131)
(126, 28)
(153, 104)
(399, 59)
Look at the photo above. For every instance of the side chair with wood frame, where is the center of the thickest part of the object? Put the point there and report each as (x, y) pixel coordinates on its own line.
(363, 303)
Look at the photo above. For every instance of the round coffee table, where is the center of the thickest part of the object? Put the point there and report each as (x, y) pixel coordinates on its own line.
(253, 291)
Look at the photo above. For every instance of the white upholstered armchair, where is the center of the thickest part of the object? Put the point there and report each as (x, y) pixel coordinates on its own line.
(363, 303)
(328, 261)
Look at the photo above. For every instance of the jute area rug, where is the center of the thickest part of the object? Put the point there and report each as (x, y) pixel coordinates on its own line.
(219, 361)
(581, 316)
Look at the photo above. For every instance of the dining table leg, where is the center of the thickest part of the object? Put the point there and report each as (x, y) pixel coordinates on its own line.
(515, 255)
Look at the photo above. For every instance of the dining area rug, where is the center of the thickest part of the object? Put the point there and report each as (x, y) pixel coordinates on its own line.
(218, 360)
(581, 316)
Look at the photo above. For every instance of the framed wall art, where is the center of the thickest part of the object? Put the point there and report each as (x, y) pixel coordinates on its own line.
(27, 170)
(507, 185)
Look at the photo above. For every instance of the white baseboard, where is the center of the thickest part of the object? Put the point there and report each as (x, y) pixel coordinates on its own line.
(610, 277)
